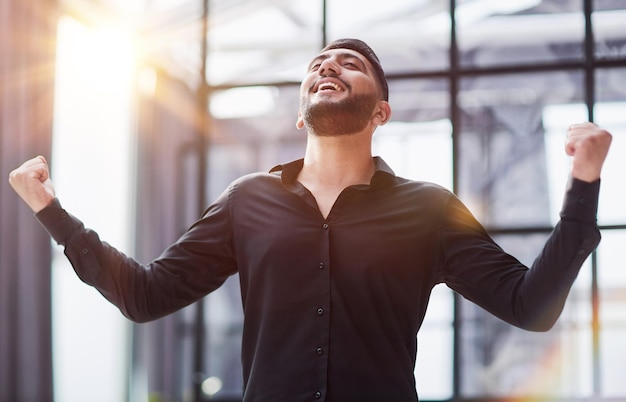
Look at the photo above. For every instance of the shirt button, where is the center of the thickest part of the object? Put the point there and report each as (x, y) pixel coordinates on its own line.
(84, 251)
(320, 311)
(319, 351)
(325, 226)
(321, 266)
(318, 395)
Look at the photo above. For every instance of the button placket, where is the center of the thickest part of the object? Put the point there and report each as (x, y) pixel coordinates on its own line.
(321, 311)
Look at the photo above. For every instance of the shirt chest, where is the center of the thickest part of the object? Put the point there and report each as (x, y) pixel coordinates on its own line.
(378, 241)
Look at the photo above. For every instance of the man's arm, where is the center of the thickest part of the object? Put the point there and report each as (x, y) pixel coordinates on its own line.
(199, 262)
(533, 298)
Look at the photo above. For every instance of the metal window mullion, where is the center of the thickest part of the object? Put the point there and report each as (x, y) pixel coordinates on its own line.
(590, 97)
(324, 23)
(202, 95)
(455, 123)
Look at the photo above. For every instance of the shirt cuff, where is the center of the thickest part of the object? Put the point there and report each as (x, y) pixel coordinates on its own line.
(581, 201)
(58, 223)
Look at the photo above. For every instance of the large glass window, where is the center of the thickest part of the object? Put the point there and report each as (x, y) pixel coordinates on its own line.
(481, 107)
(521, 32)
(263, 41)
(507, 122)
(609, 111)
(500, 361)
(612, 285)
(608, 32)
(408, 35)
(92, 128)
(499, 146)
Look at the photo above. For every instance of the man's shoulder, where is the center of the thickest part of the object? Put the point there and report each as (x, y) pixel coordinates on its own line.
(255, 181)
(421, 186)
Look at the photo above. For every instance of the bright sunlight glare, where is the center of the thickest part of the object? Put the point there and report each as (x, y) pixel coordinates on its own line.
(92, 154)
(103, 57)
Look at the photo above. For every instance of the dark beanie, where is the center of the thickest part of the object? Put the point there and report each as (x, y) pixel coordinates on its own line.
(362, 48)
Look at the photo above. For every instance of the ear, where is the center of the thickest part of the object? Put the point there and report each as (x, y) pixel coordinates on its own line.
(383, 113)
(299, 122)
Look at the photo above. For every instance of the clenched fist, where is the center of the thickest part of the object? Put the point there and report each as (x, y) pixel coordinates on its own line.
(588, 145)
(31, 181)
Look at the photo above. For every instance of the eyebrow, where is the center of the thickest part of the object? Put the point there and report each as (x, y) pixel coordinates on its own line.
(340, 56)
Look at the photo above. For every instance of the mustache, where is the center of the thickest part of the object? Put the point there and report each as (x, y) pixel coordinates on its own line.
(334, 76)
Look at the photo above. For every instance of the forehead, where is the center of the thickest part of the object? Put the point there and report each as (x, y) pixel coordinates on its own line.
(341, 54)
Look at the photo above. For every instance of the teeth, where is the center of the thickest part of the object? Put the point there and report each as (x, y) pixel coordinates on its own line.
(329, 85)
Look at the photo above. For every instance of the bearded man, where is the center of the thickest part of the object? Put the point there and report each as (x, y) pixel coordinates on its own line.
(336, 255)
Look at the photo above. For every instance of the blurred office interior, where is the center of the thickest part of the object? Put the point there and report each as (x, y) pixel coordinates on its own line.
(148, 109)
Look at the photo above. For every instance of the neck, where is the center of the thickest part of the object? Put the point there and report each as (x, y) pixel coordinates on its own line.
(338, 161)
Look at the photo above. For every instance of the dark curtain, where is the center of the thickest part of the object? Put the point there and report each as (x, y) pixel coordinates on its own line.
(27, 46)
(167, 203)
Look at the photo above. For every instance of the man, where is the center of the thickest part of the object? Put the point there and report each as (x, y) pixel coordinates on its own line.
(337, 256)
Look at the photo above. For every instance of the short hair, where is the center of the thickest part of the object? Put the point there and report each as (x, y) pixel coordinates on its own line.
(361, 47)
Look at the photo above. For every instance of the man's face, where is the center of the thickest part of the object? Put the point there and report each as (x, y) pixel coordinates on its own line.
(338, 93)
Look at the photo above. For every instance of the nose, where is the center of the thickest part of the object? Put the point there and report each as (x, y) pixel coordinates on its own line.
(328, 66)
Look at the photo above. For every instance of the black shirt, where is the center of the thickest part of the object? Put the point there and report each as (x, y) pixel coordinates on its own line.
(332, 306)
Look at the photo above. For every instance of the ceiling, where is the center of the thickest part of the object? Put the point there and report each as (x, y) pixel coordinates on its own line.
(265, 41)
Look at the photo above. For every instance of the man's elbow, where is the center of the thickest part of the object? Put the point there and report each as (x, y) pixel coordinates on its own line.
(540, 322)
(539, 326)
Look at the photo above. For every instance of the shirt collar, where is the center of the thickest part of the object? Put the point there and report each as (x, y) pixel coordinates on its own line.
(289, 172)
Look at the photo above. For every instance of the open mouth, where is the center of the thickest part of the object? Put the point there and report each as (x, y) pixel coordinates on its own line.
(329, 86)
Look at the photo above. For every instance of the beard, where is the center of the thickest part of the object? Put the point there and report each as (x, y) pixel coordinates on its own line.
(333, 118)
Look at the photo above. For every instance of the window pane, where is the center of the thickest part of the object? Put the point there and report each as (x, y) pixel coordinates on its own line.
(519, 32)
(499, 360)
(92, 128)
(417, 142)
(171, 36)
(407, 35)
(609, 113)
(260, 42)
(246, 138)
(612, 283)
(433, 368)
(504, 164)
(224, 326)
(608, 28)
(556, 119)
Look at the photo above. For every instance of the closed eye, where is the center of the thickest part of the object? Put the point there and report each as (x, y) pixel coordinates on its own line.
(352, 63)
